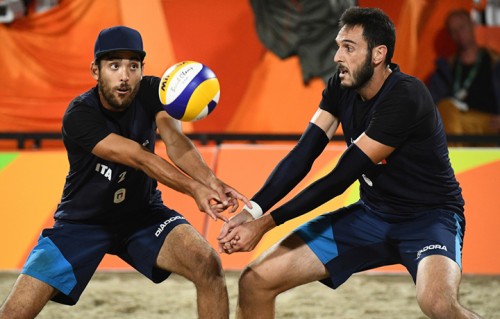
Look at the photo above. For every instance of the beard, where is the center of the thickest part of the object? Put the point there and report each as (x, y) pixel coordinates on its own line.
(363, 74)
(115, 102)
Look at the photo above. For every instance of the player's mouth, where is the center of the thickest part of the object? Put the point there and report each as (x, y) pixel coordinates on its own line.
(123, 89)
(343, 71)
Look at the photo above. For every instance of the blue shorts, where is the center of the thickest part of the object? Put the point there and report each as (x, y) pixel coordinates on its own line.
(67, 255)
(357, 238)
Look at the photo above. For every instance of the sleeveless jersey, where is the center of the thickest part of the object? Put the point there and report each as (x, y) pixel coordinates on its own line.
(97, 190)
(418, 175)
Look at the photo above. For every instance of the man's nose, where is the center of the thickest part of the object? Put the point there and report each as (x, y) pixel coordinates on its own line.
(337, 56)
(124, 74)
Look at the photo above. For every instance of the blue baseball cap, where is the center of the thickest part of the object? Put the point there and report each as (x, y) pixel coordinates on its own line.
(118, 38)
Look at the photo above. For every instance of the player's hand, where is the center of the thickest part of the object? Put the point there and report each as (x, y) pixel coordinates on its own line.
(246, 236)
(242, 217)
(228, 195)
(218, 207)
(209, 202)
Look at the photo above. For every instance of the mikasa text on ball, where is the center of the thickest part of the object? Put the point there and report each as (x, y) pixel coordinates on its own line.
(189, 91)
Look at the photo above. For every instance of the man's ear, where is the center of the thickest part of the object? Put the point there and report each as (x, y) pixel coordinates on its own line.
(379, 53)
(94, 70)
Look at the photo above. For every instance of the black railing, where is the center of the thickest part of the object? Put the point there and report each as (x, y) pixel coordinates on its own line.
(36, 138)
(206, 138)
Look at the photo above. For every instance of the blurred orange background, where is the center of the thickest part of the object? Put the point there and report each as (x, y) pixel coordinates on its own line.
(45, 58)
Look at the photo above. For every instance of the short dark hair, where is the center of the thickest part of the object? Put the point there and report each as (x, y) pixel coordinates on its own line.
(378, 29)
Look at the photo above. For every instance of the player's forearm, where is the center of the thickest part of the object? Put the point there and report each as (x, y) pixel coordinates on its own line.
(349, 168)
(185, 156)
(293, 168)
(194, 166)
(159, 169)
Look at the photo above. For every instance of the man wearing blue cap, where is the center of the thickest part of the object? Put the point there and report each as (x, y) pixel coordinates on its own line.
(111, 204)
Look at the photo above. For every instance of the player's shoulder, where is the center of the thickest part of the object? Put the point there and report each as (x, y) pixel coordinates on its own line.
(89, 98)
(410, 87)
(148, 87)
(404, 80)
(148, 94)
(407, 81)
(150, 81)
(86, 104)
(411, 93)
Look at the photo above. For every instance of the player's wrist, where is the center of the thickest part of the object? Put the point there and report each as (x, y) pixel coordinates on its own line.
(255, 211)
(268, 222)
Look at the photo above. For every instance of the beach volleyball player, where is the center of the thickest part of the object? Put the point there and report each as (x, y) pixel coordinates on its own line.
(111, 204)
(411, 207)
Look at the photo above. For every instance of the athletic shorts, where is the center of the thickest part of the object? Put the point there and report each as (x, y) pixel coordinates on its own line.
(67, 255)
(357, 238)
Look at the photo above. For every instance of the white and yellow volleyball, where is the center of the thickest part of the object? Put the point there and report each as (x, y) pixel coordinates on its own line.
(189, 91)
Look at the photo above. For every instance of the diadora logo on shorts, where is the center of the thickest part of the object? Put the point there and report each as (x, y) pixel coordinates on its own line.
(431, 247)
(165, 223)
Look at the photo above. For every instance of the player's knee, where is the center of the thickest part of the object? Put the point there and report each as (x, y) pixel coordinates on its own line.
(251, 283)
(437, 305)
(247, 286)
(210, 269)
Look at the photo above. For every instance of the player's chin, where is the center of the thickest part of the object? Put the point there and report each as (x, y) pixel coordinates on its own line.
(346, 84)
(122, 102)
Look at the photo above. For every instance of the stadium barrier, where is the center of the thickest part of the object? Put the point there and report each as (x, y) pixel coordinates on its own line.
(34, 140)
(31, 183)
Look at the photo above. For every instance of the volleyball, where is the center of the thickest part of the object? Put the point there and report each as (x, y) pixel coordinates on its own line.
(189, 91)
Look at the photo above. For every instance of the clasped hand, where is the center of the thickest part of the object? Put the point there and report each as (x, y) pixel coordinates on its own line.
(242, 232)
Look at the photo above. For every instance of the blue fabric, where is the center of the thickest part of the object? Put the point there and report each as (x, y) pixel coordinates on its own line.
(357, 238)
(318, 235)
(47, 263)
(459, 240)
(68, 254)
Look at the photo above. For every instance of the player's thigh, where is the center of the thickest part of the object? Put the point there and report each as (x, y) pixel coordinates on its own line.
(285, 265)
(185, 252)
(66, 257)
(437, 276)
(28, 296)
(436, 232)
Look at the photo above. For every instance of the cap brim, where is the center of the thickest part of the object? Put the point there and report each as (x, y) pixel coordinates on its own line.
(99, 55)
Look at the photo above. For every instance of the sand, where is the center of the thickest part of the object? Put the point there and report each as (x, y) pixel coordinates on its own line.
(121, 295)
